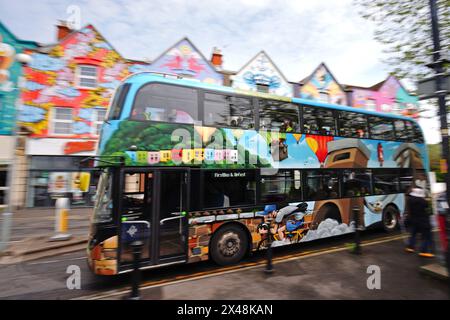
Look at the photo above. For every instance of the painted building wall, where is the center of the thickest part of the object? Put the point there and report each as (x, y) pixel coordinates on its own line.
(322, 82)
(10, 73)
(391, 97)
(51, 82)
(261, 70)
(184, 59)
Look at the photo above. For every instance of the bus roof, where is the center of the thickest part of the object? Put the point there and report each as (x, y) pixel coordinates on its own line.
(142, 78)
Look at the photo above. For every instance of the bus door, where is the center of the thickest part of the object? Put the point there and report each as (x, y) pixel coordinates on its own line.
(157, 198)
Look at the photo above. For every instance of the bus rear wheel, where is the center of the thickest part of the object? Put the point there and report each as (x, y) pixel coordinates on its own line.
(228, 245)
(390, 218)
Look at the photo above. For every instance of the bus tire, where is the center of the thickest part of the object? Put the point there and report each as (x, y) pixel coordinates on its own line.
(390, 218)
(228, 245)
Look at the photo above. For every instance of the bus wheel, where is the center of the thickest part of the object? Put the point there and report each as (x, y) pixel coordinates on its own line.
(390, 218)
(228, 245)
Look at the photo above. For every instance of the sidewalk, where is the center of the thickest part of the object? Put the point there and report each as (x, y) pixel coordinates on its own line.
(32, 228)
(335, 275)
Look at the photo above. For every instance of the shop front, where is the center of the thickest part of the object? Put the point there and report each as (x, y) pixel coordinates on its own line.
(54, 172)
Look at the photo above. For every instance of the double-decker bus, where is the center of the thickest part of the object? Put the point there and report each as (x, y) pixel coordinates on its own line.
(203, 165)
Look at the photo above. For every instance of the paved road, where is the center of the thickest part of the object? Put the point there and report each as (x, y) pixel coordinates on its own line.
(325, 270)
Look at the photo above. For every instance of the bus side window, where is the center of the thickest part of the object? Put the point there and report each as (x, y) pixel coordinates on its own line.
(417, 133)
(118, 102)
(352, 125)
(278, 115)
(356, 183)
(228, 111)
(381, 128)
(166, 103)
(318, 121)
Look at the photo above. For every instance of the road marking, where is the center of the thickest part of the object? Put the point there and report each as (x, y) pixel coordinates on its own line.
(240, 267)
(53, 261)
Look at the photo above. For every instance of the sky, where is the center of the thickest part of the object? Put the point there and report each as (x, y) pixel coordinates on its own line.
(298, 35)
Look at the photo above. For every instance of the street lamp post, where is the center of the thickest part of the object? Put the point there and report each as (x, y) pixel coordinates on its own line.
(437, 65)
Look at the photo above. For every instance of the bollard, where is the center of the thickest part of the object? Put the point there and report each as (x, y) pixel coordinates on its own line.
(136, 247)
(269, 266)
(357, 246)
(61, 220)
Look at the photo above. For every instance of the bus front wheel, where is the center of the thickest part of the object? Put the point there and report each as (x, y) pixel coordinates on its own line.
(228, 245)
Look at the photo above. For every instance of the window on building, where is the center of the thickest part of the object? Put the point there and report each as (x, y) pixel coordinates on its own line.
(321, 184)
(381, 128)
(286, 185)
(98, 117)
(385, 182)
(228, 111)
(166, 103)
(371, 105)
(356, 183)
(229, 188)
(3, 185)
(87, 76)
(318, 121)
(278, 115)
(262, 88)
(62, 120)
(353, 125)
(324, 97)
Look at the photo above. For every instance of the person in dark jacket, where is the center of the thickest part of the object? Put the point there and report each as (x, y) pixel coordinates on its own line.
(419, 222)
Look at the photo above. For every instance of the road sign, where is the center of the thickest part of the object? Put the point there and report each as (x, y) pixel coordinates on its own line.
(426, 88)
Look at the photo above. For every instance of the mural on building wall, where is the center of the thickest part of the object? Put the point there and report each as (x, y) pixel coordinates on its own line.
(262, 71)
(389, 96)
(10, 73)
(322, 86)
(184, 59)
(51, 81)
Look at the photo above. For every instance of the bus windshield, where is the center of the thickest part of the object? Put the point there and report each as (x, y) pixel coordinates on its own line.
(103, 200)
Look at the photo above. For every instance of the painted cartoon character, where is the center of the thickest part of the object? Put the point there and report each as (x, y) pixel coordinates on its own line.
(380, 154)
(7, 54)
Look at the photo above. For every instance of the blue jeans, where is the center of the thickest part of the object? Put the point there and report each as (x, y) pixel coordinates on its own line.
(427, 240)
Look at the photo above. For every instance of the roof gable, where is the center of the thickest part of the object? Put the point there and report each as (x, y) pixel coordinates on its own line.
(261, 70)
(185, 59)
(321, 80)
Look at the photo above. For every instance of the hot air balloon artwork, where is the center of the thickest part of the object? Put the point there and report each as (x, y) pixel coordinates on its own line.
(318, 145)
(297, 137)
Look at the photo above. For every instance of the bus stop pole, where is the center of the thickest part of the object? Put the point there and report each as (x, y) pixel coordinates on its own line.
(438, 65)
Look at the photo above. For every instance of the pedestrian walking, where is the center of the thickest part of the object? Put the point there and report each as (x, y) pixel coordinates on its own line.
(419, 223)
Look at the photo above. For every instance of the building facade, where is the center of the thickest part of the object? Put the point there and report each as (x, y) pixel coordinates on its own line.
(387, 96)
(11, 52)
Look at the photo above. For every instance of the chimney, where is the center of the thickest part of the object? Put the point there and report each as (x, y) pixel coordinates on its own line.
(216, 58)
(62, 29)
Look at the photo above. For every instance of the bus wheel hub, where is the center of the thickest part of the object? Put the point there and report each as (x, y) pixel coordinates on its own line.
(229, 244)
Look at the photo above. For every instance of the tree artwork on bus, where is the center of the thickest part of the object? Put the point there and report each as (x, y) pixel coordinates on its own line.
(206, 166)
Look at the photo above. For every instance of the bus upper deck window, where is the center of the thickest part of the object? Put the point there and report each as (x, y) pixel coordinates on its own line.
(166, 103)
(381, 128)
(318, 121)
(352, 125)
